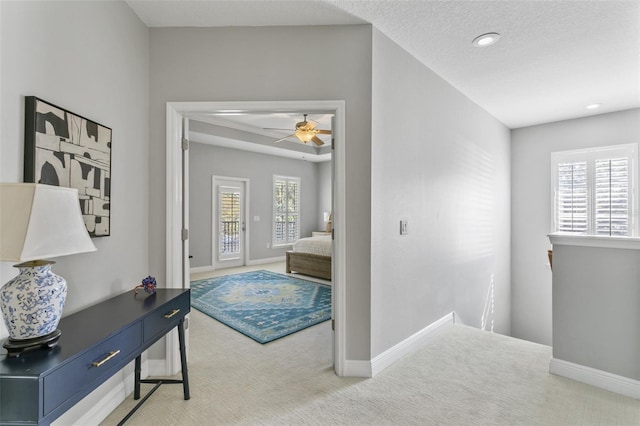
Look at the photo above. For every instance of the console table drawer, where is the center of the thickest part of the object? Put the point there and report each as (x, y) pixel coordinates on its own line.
(163, 320)
(111, 354)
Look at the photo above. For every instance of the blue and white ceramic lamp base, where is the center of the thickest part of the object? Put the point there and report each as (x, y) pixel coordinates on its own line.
(32, 304)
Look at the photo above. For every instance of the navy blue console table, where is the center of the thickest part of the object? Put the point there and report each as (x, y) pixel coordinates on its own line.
(39, 386)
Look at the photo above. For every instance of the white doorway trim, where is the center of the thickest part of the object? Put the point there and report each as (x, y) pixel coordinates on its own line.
(175, 273)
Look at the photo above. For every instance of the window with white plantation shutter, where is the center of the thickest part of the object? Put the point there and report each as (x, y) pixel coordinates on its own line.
(612, 213)
(286, 210)
(594, 191)
(571, 215)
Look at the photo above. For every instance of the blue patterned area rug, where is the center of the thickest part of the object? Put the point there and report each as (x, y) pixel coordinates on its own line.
(261, 304)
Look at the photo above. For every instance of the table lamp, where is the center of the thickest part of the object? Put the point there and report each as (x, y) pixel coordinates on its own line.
(37, 222)
(328, 217)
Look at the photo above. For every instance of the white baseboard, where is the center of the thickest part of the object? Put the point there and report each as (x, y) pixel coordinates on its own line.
(263, 261)
(96, 413)
(357, 368)
(97, 406)
(410, 344)
(157, 367)
(598, 378)
(201, 269)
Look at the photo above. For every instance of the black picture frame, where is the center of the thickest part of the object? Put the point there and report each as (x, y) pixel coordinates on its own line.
(62, 148)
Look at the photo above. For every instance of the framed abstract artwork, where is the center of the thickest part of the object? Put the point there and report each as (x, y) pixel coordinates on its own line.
(65, 149)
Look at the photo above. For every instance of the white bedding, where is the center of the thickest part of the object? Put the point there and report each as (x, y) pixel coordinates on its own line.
(320, 245)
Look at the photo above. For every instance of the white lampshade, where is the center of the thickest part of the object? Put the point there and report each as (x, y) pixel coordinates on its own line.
(40, 221)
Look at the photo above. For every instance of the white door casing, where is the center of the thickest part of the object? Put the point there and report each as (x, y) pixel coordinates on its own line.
(175, 111)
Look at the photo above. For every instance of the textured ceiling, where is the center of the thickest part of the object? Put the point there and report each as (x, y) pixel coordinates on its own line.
(554, 58)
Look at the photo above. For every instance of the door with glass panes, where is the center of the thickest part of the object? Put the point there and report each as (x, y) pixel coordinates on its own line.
(229, 223)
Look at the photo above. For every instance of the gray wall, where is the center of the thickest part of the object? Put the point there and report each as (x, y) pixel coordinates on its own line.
(324, 192)
(91, 58)
(531, 208)
(206, 161)
(102, 75)
(230, 64)
(442, 163)
(596, 320)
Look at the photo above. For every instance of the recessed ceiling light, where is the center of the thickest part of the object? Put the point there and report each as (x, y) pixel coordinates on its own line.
(485, 40)
(593, 106)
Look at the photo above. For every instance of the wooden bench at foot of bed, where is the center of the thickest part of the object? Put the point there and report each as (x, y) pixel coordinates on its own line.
(309, 264)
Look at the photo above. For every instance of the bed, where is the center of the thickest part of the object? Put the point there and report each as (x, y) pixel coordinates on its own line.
(311, 256)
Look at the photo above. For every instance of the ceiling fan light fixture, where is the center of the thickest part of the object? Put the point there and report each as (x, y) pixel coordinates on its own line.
(487, 39)
(305, 135)
(306, 132)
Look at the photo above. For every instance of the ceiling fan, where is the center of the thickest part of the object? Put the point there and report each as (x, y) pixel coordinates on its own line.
(306, 131)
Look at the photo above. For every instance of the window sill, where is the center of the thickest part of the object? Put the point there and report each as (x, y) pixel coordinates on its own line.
(629, 243)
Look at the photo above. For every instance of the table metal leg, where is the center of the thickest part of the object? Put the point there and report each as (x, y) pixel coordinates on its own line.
(183, 360)
(158, 382)
(136, 385)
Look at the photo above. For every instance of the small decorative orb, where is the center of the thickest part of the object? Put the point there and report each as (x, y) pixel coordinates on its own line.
(148, 284)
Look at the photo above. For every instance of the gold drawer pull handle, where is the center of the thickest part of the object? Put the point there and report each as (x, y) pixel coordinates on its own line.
(172, 313)
(107, 358)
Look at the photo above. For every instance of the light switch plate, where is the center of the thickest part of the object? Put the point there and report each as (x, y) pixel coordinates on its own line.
(404, 227)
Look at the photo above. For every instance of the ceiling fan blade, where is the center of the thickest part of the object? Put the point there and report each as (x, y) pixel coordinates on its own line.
(286, 137)
(275, 128)
(323, 132)
(317, 141)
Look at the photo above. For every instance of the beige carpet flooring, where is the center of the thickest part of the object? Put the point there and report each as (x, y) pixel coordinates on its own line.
(464, 377)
